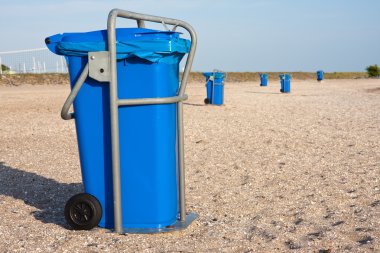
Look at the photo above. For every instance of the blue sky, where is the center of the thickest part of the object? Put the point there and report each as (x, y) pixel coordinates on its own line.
(239, 35)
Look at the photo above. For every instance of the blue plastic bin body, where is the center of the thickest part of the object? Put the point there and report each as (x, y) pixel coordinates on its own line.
(218, 92)
(320, 75)
(286, 83)
(215, 88)
(148, 137)
(209, 86)
(263, 80)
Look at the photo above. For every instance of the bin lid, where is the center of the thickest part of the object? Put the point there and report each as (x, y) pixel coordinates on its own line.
(217, 74)
(148, 44)
(285, 76)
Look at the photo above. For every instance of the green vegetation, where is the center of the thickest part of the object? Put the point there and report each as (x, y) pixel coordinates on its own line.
(4, 67)
(40, 79)
(373, 71)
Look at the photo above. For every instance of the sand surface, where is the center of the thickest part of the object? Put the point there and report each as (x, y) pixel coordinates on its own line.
(266, 172)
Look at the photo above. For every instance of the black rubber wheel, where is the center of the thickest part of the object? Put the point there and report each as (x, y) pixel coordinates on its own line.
(83, 211)
(207, 101)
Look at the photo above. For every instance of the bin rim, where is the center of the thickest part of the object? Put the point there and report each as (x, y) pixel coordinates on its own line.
(218, 75)
(148, 44)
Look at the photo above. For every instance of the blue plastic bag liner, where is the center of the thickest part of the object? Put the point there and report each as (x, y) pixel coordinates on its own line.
(217, 74)
(151, 45)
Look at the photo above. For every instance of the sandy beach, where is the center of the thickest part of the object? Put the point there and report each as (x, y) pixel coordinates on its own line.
(265, 172)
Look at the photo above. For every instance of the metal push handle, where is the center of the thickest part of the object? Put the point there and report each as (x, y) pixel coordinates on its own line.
(74, 92)
(140, 18)
(115, 102)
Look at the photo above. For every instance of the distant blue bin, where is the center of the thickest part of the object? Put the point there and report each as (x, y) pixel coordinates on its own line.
(214, 87)
(263, 80)
(285, 83)
(320, 75)
(147, 67)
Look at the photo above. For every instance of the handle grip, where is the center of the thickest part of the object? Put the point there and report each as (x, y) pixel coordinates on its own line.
(65, 114)
(140, 18)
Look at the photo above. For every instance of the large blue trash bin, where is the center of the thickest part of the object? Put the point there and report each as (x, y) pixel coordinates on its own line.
(263, 79)
(148, 67)
(320, 75)
(214, 87)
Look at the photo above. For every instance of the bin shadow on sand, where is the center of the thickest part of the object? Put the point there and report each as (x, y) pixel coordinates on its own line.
(193, 104)
(45, 194)
(263, 92)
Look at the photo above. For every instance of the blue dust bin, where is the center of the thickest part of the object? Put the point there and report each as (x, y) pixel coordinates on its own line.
(147, 66)
(263, 79)
(285, 83)
(320, 75)
(214, 87)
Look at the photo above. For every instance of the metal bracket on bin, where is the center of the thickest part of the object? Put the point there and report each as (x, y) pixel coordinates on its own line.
(115, 102)
(99, 66)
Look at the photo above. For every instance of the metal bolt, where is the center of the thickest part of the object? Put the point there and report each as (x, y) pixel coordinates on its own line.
(92, 57)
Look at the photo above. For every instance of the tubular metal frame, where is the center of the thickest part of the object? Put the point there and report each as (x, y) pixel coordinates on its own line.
(115, 102)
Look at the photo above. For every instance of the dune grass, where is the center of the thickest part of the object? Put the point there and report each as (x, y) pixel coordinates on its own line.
(38, 79)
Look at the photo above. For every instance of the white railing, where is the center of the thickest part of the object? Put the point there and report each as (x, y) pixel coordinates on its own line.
(37, 61)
